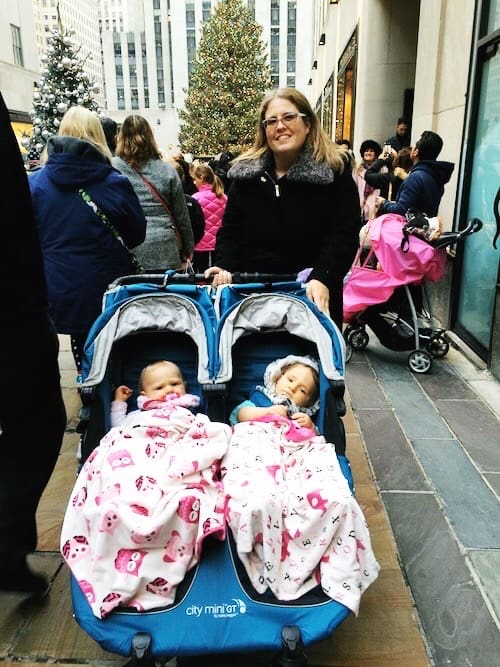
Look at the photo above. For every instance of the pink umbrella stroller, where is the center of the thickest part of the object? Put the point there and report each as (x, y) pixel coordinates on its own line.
(385, 289)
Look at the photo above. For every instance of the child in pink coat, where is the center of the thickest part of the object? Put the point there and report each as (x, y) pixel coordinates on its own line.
(212, 200)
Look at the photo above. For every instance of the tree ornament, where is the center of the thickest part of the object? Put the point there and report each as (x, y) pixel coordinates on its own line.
(61, 84)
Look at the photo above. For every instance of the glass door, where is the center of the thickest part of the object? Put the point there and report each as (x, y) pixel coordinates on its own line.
(480, 260)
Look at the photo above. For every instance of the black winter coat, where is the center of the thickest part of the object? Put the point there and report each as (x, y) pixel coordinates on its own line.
(307, 218)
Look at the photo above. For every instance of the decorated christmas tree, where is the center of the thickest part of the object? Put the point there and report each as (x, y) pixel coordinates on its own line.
(226, 86)
(63, 84)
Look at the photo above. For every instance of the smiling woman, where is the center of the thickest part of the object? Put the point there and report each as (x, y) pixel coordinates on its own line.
(292, 204)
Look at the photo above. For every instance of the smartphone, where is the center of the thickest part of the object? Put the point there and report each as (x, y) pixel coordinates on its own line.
(387, 150)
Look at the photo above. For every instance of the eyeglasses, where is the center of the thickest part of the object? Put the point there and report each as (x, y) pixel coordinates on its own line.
(287, 119)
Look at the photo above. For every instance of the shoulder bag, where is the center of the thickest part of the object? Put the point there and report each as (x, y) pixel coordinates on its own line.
(153, 190)
(136, 265)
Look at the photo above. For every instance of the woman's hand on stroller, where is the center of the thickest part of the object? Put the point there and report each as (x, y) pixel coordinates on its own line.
(319, 294)
(220, 276)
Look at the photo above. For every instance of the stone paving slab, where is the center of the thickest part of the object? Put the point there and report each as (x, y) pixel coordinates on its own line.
(487, 565)
(418, 416)
(391, 456)
(477, 428)
(493, 480)
(451, 608)
(363, 387)
(442, 382)
(470, 505)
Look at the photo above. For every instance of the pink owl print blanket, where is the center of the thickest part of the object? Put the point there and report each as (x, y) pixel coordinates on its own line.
(294, 519)
(142, 505)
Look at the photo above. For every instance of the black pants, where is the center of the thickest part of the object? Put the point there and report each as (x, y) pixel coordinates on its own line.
(33, 420)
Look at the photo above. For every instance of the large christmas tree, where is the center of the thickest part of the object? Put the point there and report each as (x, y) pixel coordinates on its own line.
(63, 84)
(229, 77)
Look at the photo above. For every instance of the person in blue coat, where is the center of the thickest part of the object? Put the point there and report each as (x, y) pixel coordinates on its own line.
(31, 424)
(423, 188)
(81, 254)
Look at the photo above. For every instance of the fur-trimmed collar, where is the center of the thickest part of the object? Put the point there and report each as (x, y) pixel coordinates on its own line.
(304, 170)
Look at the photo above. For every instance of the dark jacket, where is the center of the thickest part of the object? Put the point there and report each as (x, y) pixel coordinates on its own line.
(307, 218)
(196, 216)
(422, 189)
(382, 180)
(81, 255)
(398, 142)
(21, 269)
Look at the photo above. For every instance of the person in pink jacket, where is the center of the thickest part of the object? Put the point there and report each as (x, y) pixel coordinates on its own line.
(212, 200)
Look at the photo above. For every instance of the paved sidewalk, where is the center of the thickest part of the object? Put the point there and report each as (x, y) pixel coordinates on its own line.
(433, 442)
(424, 454)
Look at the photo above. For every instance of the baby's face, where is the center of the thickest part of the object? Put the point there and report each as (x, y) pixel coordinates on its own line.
(162, 380)
(298, 384)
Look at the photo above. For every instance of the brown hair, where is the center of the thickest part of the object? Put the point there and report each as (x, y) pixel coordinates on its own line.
(403, 159)
(324, 149)
(201, 171)
(136, 143)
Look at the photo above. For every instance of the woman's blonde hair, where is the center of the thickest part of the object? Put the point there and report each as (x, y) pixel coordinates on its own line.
(201, 171)
(84, 124)
(324, 149)
(135, 142)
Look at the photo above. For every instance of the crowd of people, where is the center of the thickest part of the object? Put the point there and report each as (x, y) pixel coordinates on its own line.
(105, 200)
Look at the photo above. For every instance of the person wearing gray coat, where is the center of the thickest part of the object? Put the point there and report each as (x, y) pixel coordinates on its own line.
(139, 158)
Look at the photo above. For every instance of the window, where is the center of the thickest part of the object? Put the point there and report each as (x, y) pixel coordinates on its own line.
(291, 42)
(121, 98)
(16, 45)
(206, 10)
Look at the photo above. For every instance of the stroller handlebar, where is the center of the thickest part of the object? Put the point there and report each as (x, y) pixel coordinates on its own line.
(199, 278)
(450, 238)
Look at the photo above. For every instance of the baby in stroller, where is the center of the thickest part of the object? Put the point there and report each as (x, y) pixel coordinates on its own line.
(160, 381)
(147, 496)
(298, 483)
(304, 527)
(291, 389)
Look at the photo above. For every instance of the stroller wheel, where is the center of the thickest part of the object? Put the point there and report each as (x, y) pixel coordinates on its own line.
(438, 347)
(419, 361)
(348, 352)
(358, 339)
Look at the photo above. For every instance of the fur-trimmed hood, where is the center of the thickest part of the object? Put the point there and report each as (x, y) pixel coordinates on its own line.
(304, 170)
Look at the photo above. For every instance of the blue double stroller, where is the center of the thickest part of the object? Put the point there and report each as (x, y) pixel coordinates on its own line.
(222, 340)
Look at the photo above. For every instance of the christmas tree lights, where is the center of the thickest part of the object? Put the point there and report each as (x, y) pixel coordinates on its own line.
(63, 84)
(229, 78)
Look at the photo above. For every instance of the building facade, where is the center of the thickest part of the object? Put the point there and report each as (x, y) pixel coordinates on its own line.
(19, 63)
(140, 52)
(149, 49)
(436, 62)
(82, 18)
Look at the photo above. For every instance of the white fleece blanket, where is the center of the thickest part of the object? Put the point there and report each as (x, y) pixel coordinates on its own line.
(142, 505)
(294, 519)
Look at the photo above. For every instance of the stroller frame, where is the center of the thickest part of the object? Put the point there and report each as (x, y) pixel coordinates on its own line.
(150, 637)
(428, 342)
(414, 330)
